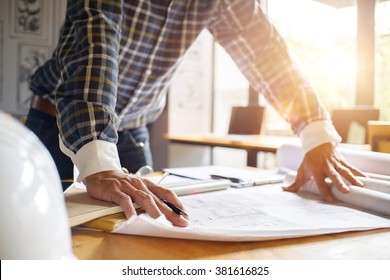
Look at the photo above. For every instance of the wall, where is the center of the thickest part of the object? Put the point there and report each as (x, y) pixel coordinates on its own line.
(190, 102)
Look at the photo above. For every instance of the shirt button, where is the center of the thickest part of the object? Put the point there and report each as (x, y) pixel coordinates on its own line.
(148, 72)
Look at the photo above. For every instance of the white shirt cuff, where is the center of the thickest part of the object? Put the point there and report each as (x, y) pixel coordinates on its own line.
(94, 157)
(318, 133)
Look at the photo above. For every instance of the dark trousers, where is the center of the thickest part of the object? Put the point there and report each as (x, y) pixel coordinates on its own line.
(133, 145)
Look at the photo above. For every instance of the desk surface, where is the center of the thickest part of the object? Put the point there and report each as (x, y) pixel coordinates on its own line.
(260, 143)
(370, 245)
(251, 143)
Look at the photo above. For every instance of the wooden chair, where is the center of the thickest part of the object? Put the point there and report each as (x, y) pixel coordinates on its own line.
(379, 136)
(351, 124)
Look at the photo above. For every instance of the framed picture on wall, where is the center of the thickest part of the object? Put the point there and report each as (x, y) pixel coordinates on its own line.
(28, 18)
(190, 93)
(30, 57)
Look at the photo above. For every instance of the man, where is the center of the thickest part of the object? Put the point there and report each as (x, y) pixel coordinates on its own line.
(110, 72)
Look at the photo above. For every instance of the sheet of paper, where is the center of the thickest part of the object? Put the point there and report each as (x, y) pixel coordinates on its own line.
(257, 213)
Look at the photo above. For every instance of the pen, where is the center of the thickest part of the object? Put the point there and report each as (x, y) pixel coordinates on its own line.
(234, 180)
(271, 179)
(174, 208)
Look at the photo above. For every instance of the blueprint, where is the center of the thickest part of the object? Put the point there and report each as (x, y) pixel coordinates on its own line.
(257, 213)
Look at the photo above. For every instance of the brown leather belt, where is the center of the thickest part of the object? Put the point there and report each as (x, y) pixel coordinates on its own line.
(45, 106)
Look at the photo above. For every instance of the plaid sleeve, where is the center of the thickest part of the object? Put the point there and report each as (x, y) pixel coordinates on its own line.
(261, 54)
(88, 53)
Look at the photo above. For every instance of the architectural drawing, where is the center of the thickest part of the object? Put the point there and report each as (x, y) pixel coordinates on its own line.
(27, 18)
(30, 57)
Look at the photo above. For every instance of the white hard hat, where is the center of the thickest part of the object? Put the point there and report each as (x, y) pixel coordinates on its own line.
(33, 217)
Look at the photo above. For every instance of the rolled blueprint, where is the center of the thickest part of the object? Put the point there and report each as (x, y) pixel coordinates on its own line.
(360, 197)
(290, 157)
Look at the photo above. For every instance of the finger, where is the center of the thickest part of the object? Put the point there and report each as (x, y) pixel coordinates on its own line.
(297, 184)
(348, 175)
(149, 187)
(150, 196)
(127, 205)
(337, 180)
(120, 198)
(174, 218)
(324, 189)
(148, 203)
(355, 171)
(144, 185)
(294, 187)
(162, 193)
(139, 194)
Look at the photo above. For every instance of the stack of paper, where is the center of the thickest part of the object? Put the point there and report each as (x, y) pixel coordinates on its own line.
(82, 208)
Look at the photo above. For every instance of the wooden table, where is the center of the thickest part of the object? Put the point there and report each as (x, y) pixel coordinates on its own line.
(370, 245)
(251, 143)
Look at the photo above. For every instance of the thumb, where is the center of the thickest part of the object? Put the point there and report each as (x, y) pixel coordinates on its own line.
(297, 184)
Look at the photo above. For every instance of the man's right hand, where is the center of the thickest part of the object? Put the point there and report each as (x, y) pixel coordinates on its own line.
(124, 189)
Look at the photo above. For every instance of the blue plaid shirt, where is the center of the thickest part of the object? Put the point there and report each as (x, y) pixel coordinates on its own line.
(112, 66)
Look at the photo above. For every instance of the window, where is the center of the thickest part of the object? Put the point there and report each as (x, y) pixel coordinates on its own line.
(321, 39)
(322, 42)
(382, 58)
